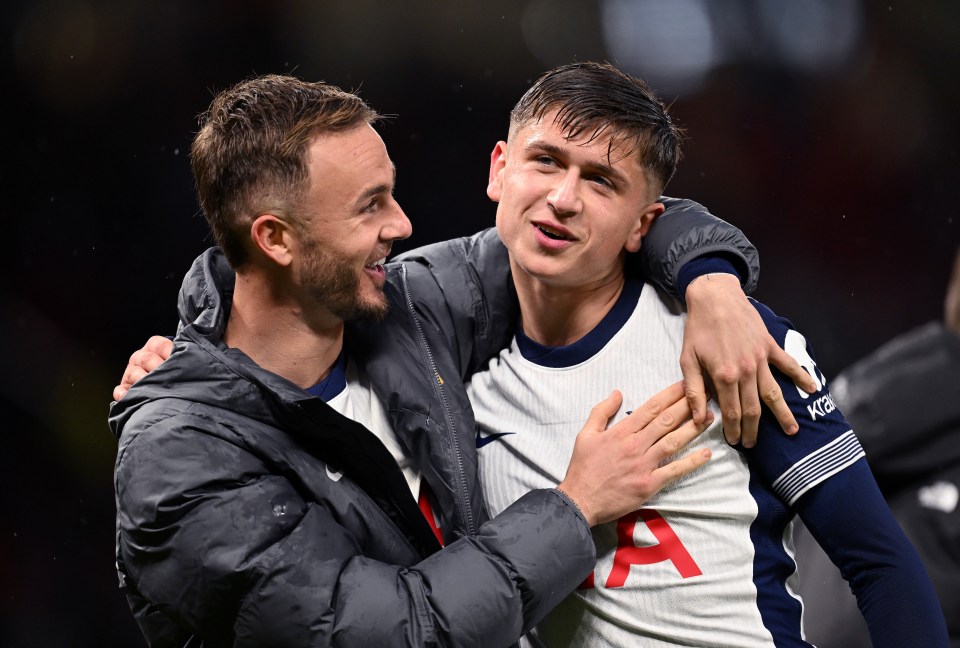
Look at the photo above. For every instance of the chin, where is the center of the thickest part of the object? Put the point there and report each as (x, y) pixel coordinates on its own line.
(369, 307)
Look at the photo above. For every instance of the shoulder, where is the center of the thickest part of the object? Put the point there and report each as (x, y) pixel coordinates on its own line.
(169, 436)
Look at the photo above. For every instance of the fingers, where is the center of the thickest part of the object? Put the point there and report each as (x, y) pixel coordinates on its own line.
(749, 411)
(603, 411)
(159, 345)
(661, 402)
(695, 389)
(665, 475)
(728, 397)
(143, 361)
(146, 360)
(788, 365)
(678, 439)
(131, 375)
(773, 397)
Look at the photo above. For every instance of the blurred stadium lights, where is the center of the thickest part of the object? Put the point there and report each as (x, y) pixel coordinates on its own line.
(676, 44)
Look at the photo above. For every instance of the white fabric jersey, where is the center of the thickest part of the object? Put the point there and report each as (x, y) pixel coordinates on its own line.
(356, 400)
(680, 571)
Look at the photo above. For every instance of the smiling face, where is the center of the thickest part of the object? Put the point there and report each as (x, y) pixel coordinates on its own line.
(569, 209)
(350, 223)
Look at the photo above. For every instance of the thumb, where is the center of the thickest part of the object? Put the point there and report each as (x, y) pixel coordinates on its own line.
(603, 411)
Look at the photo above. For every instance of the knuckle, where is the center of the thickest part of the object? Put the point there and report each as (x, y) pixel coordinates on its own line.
(747, 365)
(672, 444)
(728, 375)
(732, 414)
(752, 412)
(772, 395)
(652, 407)
(667, 419)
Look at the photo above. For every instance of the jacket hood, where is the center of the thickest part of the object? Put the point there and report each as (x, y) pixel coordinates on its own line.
(200, 368)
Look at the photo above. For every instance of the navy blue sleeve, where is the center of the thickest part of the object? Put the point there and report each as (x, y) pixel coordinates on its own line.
(849, 518)
(821, 473)
(707, 264)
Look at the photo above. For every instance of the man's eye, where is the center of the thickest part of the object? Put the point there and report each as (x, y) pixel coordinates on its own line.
(371, 206)
(546, 160)
(601, 180)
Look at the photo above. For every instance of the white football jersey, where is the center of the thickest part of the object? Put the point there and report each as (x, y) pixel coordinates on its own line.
(698, 563)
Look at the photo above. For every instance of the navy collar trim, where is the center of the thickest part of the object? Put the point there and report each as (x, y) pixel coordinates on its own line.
(335, 382)
(587, 346)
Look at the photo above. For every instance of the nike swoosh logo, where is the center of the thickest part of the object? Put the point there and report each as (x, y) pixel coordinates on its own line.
(490, 438)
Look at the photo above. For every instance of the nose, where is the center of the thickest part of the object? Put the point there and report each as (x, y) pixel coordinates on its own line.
(398, 227)
(564, 197)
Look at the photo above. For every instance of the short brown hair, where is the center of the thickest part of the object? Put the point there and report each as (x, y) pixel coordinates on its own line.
(250, 155)
(596, 98)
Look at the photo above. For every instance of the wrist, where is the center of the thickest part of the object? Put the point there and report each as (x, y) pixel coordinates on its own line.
(703, 266)
(573, 502)
(706, 286)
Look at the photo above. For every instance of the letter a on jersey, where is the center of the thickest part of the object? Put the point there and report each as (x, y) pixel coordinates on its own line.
(669, 547)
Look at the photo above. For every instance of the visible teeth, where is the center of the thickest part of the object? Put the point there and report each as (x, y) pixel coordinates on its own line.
(551, 234)
(378, 262)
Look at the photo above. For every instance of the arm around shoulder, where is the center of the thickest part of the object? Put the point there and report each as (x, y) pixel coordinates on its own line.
(685, 231)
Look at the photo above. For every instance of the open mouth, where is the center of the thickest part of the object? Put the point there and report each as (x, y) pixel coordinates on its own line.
(552, 233)
(376, 265)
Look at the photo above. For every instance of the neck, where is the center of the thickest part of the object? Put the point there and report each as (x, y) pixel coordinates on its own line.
(273, 330)
(555, 315)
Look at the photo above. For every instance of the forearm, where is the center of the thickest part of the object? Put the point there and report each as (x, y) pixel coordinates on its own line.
(849, 518)
(215, 554)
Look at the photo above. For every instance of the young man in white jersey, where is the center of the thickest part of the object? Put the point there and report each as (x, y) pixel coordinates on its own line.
(708, 560)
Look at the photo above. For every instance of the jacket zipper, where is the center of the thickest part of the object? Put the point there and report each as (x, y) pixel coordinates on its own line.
(463, 498)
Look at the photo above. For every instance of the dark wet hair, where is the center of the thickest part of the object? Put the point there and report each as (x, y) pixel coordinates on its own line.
(592, 99)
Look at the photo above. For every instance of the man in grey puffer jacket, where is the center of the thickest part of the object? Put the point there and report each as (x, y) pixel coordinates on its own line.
(267, 494)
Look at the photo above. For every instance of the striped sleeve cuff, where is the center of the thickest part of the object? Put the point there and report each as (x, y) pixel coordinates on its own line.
(817, 467)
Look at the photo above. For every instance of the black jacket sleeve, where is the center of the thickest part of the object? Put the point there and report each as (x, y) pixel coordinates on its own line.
(685, 231)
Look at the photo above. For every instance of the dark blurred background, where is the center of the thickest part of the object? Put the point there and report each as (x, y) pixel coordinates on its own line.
(826, 129)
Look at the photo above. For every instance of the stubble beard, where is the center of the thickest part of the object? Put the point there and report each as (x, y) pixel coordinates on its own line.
(332, 282)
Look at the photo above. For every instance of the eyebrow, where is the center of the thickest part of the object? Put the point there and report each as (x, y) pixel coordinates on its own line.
(378, 189)
(595, 166)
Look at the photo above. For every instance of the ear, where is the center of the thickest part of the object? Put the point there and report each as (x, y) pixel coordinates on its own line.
(498, 159)
(274, 238)
(642, 226)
